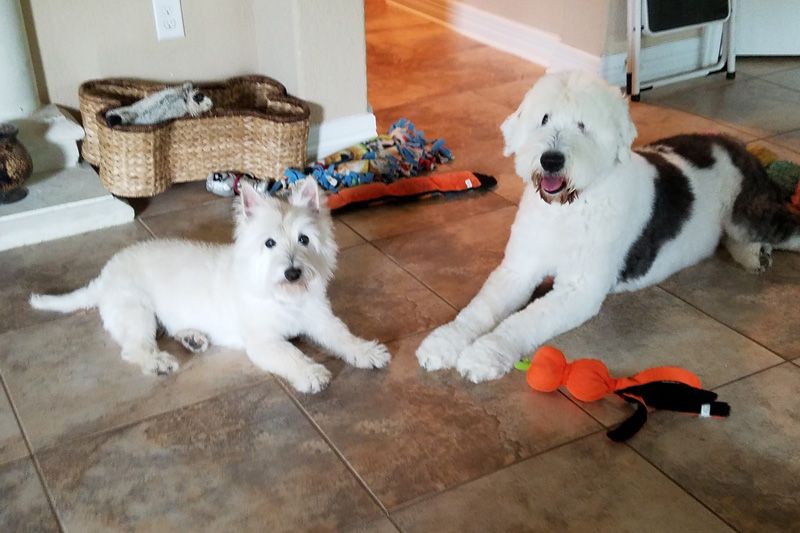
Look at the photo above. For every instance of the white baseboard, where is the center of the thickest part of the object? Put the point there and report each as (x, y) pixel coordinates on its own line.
(524, 41)
(548, 50)
(333, 135)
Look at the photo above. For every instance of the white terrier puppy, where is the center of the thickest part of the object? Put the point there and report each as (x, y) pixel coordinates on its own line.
(267, 287)
(602, 218)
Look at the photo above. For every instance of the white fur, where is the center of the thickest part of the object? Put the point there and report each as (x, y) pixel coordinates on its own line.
(583, 243)
(235, 296)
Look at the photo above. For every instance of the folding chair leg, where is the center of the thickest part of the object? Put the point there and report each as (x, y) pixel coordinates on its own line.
(731, 42)
(634, 48)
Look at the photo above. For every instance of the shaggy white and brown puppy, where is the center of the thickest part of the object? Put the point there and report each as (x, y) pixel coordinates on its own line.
(267, 287)
(602, 218)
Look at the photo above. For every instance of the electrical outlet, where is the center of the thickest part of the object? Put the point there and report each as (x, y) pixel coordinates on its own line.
(169, 19)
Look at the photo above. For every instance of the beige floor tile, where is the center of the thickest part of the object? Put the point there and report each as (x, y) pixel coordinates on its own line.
(428, 214)
(382, 525)
(56, 267)
(178, 196)
(590, 485)
(753, 106)
(344, 235)
(756, 305)
(214, 223)
(786, 78)
(790, 140)
(746, 467)
(409, 432)
(246, 461)
(379, 300)
(66, 378)
(699, 85)
(762, 66)
(654, 122)
(649, 328)
(509, 186)
(456, 258)
(12, 445)
(23, 503)
(789, 150)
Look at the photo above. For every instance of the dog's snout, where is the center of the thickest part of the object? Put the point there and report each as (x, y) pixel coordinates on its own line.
(552, 161)
(293, 273)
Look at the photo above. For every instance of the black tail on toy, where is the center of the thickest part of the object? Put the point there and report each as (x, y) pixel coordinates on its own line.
(669, 396)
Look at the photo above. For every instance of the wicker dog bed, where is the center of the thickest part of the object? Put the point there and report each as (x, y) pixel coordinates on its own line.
(254, 127)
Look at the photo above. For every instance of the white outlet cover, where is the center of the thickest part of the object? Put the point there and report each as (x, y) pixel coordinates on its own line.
(169, 19)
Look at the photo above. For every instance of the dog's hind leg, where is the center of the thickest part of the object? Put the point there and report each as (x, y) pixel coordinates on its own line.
(133, 325)
(755, 257)
(193, 340)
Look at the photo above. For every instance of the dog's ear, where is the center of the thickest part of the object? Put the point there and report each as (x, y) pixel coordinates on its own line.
(250, 198)
(186, 90)
(306, 194)
(512, 133)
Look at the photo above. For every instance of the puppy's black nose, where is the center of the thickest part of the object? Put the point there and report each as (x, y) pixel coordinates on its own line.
(552, 161)
(293, 273)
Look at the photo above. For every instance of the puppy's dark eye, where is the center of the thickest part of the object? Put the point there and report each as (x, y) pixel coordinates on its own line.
(581, 126)
(303, 239)
(198, 97)
(545, 119)
(270, 243)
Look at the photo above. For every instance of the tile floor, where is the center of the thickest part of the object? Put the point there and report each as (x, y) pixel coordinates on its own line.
(89, 444)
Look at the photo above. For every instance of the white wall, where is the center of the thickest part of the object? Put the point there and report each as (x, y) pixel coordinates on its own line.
(314, 47)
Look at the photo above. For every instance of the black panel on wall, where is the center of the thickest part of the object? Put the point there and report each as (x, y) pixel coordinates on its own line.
(670, 14)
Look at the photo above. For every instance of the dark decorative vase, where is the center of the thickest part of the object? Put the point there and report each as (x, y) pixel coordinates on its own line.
(15, 165)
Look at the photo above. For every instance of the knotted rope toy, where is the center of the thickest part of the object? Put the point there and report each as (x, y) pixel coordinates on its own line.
(588, 380)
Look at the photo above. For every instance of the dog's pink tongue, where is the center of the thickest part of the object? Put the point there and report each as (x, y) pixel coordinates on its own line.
(552, 183)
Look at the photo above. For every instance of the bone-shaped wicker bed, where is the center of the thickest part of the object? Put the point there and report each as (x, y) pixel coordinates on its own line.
(254, 127)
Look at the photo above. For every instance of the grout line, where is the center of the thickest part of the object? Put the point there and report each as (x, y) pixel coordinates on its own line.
(419, 231)
(32, 455)
(723, 324)
(421, 282)
(681, 487)
(425, 497)
(775, 83)
(55, 444)
(360, 480)
(146, 227)
(750, 375)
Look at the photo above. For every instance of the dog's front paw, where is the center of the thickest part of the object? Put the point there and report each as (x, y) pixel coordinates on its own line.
(440, 349)
(311, 379)
(159, 363)
(484, 360)
(370, 354)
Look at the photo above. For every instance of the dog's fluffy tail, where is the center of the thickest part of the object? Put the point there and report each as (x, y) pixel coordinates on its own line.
(83, 298)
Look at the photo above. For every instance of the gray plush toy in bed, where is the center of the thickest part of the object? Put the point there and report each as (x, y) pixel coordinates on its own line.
(167, 104)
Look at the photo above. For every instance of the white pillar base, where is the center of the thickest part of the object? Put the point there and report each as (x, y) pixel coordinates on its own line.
(59, 204)
(51, 137)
